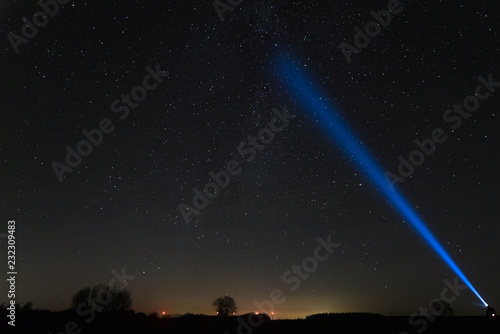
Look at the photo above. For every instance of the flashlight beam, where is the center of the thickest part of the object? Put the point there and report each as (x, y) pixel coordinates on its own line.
(302, 87)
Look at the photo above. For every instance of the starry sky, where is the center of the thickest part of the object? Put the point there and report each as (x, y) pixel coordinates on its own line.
(119, 208)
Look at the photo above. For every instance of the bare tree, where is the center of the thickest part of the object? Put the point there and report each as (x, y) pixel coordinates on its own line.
(81, 296)
(102, 298)
(122, 300)
(225, 306)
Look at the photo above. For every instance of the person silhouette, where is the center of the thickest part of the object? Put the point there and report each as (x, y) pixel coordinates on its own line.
(491, 324)
(490, 311)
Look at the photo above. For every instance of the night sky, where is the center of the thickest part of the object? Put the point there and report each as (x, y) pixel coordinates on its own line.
(119, 207)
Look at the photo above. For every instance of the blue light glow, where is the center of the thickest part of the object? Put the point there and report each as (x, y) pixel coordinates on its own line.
(303, 89)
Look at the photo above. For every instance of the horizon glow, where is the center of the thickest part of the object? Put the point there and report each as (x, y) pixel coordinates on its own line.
(303, 89)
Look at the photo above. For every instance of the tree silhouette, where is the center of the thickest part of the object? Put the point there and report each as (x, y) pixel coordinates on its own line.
(442, 308)
(225, 306)
(81, 296)
(102, 299)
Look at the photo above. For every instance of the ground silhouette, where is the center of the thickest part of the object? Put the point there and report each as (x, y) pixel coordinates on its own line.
(34, 321)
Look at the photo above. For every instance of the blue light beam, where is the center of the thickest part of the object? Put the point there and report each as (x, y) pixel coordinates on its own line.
(302, 87)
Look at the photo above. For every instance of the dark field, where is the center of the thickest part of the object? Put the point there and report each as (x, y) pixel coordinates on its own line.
(131, 322)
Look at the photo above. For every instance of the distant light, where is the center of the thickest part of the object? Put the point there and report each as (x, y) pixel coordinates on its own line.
(256, 313)
(163, 312)
(493, 315)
